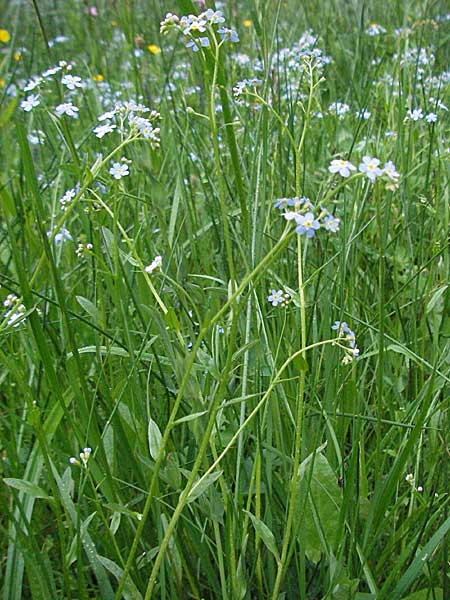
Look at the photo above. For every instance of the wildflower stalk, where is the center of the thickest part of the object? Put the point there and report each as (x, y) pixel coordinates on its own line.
(234, 154)
(220, 180)
(301, 386)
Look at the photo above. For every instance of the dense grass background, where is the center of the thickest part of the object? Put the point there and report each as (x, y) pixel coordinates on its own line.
(190, 372)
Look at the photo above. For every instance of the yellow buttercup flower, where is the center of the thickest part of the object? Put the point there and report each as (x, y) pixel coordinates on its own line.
(247, 23)
(98, 77)
(154, 49)
(2, 83)
(4, 36)
(17, 56)
(114, 23)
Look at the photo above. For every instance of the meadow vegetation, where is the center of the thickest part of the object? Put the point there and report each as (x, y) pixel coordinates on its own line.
(225, 271)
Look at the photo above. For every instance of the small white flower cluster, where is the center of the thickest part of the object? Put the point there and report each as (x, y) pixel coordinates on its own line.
(420, 59)
(67, 198)
(339, 109)
(130, 113)
(84, 456)
(36, 81)
(344, 331)
(417, 114)
(84, 250)
(300, 210)
(278, 298)
(192, 26)
(369, 166)
(293, 58)
(155, 265)
(412, 482)
(14, 316)
(245, 87)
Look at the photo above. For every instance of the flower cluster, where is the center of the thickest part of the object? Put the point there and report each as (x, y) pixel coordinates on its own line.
(294, 58)
(411, 480)
(67, 198)
(129, 115)
(14, 315)
(84, 249)
(84, 456)
(369, 167)
(70, 82)
(193, 26)
(245, 87)
(344, 331)
(301, 210)
(417, 114)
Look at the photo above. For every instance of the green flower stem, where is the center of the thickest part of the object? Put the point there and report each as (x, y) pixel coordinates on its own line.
(282, 564)
(220, 180)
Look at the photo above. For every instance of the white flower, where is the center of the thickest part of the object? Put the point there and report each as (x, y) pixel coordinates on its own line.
(30, 102)
(60, 237)
(213, 16)
(67, 108)
(339, 108)
(119, 170)
(193, 24)
(107, 115)
(14, 315)
(343, 167)
(67, 198)
(72, 81)
(331, 223)
(363, 114)
(51, 71)
(155, 265)
(431, 117)
(10, 300)
(85, 455)
(375, 29)
(290, 215)
(275, 297)
(102, 130)
(369, 166)
(32, 84)
(415, 114)
(390, 171)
